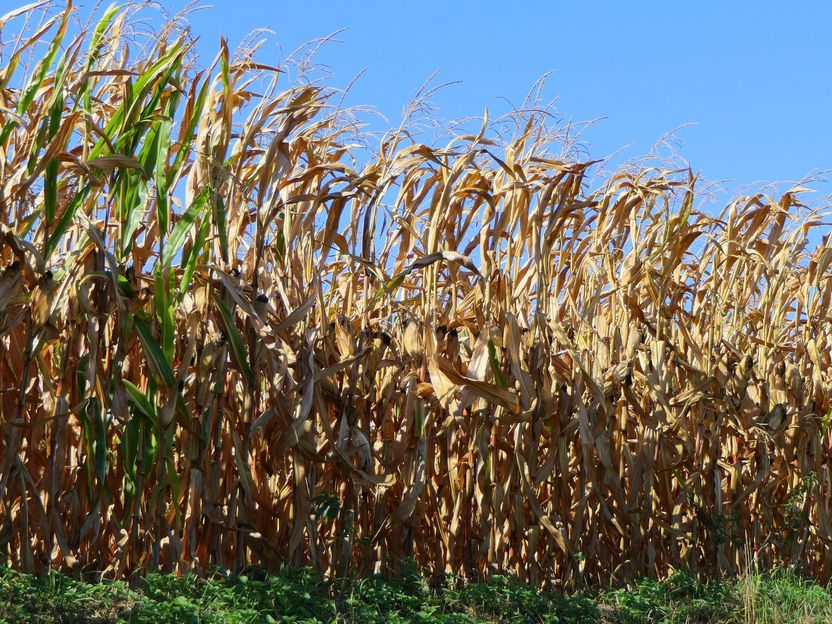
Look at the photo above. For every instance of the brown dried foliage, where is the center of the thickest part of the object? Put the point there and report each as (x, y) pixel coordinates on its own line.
(222, 342)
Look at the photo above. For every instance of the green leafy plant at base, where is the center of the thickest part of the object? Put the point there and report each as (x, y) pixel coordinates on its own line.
(301, 595)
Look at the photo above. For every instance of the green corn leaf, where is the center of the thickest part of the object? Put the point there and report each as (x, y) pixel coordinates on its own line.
(222, 230)
(142, 83)
(225, 69)
(135, 189)
(162, 203)
(238, 348)
(190, 259)
(164, 311)
(142, 405)
(85, 90)
(66, 220)
(176, 239)
(130, 448)
(187, 137)
(156, 360)
(95, 432)
(495, 365)
(50, 191)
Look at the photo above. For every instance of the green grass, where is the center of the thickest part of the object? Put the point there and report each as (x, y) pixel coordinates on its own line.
(302, 596)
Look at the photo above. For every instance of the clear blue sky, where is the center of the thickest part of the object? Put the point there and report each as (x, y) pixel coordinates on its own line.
(754, 77)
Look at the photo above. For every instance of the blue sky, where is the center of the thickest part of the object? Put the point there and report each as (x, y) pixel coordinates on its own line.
(753, 78)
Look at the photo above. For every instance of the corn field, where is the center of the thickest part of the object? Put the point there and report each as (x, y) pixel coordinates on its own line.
(235, 329)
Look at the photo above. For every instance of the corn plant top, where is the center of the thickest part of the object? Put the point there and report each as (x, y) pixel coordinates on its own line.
(225, 339)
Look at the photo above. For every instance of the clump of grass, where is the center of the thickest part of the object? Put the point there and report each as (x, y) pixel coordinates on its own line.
(784, 598)
(775, 597)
